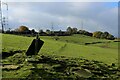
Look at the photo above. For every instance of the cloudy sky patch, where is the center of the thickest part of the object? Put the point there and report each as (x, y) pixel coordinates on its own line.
(96, 16)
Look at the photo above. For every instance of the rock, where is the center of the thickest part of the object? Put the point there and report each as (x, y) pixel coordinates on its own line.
(83, 73)
(10, 67)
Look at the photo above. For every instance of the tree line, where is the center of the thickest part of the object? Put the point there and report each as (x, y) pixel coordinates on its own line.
(69, 31)
(96, 34)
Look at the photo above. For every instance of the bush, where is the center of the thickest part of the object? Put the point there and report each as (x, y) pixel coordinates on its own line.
(105, 35)
(85, 33)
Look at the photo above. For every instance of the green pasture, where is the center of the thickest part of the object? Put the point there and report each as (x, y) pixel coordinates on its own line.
(69, 46)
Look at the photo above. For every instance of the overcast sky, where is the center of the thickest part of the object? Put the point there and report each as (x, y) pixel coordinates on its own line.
(95, 16)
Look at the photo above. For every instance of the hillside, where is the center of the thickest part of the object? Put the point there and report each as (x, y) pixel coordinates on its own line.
(68, 47)
(107, 51)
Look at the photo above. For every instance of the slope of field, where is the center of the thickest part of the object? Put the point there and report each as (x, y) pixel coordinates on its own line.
(69, 46)
(62, 57)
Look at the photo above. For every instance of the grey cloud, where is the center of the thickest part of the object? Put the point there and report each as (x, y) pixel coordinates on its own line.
(96, 15)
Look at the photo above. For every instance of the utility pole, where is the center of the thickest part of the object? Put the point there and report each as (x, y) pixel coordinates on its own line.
(1, 17)
(6, 18)
(52, 27)
(82, 25)
(3, 20)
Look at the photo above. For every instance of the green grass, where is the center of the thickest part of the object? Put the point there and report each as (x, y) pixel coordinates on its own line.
(15, 42)
(90, 52)
(61, 57)
(73, 48)
(77, 39)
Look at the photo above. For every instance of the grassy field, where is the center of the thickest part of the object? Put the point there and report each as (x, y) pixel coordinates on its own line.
(69, 46)
(68, 57)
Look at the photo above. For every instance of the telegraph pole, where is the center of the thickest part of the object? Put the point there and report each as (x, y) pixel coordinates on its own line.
(6, 18)
(3, 20)
(1, 17)
(82, 25)
(52, 27)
